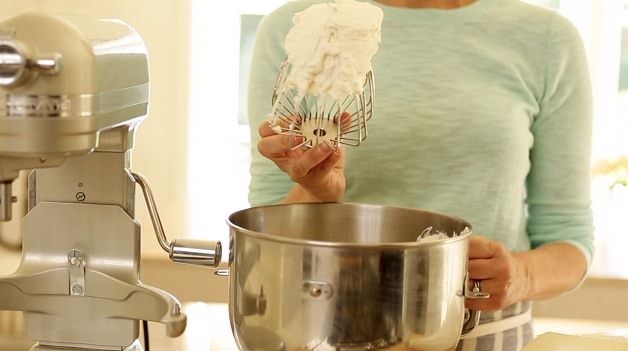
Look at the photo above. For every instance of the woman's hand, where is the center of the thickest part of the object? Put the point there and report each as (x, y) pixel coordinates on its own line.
(544, 272)
(317, 172)
(502, 275)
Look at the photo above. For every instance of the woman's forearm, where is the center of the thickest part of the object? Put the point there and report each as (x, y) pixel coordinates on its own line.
(553, 269)
(299, 193)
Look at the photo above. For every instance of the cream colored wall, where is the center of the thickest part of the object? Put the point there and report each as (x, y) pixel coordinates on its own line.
(161, 147)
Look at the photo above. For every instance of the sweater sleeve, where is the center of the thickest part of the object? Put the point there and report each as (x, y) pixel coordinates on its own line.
(558, 185)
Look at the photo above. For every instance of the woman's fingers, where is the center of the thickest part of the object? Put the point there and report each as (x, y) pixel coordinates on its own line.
(266, 129)
(278, 144)
(315, 157)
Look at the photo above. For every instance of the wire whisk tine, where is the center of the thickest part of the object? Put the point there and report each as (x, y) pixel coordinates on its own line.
(322, 119)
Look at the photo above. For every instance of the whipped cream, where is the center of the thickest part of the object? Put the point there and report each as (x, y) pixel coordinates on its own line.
(330, 48)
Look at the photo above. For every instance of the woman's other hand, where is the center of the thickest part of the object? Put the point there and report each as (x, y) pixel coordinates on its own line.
(502, 276)
(547, 271)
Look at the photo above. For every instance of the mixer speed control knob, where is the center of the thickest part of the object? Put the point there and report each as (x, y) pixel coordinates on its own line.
(12, 64)
(16, 67)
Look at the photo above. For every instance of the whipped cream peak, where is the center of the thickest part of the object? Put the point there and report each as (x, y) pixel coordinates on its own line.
(330, 48)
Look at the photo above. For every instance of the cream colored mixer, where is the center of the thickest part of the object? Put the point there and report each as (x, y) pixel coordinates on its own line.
(72, 92)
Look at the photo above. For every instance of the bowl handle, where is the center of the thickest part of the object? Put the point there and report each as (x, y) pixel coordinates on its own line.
(471, 320)
(471, 317)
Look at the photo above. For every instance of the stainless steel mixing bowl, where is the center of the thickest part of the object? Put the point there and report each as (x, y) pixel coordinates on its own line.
(346, 277)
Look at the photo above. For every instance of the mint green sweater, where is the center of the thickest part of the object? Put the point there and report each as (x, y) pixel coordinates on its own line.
(482, 112)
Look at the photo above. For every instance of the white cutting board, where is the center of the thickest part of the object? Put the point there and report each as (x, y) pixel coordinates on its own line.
(562, 342)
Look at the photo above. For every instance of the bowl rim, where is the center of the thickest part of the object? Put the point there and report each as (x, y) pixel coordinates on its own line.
(236, 229)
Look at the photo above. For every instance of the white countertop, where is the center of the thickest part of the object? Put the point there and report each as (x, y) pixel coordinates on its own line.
(575, 326)
(208, 329)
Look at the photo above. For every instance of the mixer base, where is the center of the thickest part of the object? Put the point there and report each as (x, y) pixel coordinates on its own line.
(135, 346)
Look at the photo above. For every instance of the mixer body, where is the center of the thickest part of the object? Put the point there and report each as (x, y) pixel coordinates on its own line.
(72, 92)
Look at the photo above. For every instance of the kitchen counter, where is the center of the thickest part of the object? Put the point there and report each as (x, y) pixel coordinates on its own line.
(209, 330)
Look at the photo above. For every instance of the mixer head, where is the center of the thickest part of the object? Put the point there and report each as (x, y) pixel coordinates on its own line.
(321, 119)
(62, 87)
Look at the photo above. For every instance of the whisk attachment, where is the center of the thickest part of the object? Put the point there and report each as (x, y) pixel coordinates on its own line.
(321, 119)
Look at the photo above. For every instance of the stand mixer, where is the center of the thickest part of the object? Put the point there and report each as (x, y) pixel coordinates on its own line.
(72, 93)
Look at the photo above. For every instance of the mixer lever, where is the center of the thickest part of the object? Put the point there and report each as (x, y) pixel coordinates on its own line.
(191, 251)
